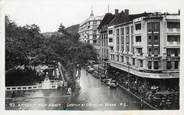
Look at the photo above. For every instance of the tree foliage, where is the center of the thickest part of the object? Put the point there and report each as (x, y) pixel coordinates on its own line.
(25, 45)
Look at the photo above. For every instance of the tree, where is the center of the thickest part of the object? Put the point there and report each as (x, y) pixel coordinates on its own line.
(26, 46)
(22, 43)
(61, 28)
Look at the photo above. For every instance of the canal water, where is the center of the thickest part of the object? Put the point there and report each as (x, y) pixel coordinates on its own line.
(92, 95)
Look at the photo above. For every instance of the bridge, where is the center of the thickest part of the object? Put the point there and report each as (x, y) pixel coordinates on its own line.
(46, 84)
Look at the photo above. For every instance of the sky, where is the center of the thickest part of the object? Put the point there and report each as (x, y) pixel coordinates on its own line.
(48, 14)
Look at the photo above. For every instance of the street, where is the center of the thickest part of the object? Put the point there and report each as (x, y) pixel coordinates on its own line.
(93, 95)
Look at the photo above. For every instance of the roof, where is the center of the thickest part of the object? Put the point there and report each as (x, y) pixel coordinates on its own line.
(91, 18)
(119, 18)
(122, 18)
(133, 16)
(107, 18)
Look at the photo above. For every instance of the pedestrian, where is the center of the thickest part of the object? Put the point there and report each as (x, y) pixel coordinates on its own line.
(69, 90)
(13, 94)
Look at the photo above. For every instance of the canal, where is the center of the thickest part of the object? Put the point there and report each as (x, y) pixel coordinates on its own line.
(92, 95)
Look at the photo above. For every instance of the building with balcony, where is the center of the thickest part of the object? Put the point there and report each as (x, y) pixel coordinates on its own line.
(88, 30)
(146, 45)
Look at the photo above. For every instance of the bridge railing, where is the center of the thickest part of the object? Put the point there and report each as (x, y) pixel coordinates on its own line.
(31, 87)
(10, 88)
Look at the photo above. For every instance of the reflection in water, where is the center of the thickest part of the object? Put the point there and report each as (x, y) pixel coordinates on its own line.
(93, 95)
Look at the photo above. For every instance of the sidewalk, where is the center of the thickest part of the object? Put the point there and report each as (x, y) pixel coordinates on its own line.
(145, 102)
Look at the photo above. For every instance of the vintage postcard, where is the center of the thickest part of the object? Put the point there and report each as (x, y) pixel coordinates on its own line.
(92, 55)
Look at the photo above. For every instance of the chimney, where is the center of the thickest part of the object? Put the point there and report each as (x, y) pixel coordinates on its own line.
(116, 11)
(126, 12)
(178, 12)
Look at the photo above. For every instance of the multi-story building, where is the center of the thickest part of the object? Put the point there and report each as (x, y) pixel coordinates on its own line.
(103, 40)
(88, 29)
(145, 45)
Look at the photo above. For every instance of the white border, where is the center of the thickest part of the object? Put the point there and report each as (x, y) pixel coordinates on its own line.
(46, 112)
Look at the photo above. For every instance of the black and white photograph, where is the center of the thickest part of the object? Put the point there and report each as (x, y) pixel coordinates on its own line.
(92, 55)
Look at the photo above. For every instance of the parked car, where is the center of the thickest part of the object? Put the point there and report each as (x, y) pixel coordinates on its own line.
(90, 69)
(106, 81)
(95, 74)
(113, 84)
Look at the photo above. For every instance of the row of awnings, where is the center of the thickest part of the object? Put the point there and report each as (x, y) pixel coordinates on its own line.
(144, 74)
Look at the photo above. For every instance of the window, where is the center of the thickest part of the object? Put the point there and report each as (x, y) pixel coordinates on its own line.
(94, 36)
(122, 59)
(138, 38)
(117, 57)
(173, 51)
(127, 39)
(127, 48)
(138, 26)
(117, 39)
(156, 66)
(173, 38)
(132, 42)
(141, 63)
(117, 32)
(110, 31)
(127, 30)
(110, 40)
(149, 40)
(122, 47)
(111, 57)
(133, 50)
(132, 29)
(153, 26)
(111, 49)
(176, 64)
(122, 39)
(149, 51)
(94, 31)
(133, 61)
(127, 59)
(156, 26)
(139, 51)
(169, 65)
(122, 31)
(149, 64)
(156, 41)
(173, 25)
(94, 41)
(156, 51)
(149, 27)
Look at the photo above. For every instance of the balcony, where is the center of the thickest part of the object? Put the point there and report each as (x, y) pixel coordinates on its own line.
(140, 55)
(137, 31)
(173, 44)
(173, 30)
(111, 43)
(137, 44)
(111, 51)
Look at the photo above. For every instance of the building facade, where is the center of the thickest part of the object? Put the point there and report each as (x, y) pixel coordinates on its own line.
(146, 45)
(103, 40)
(88, 30)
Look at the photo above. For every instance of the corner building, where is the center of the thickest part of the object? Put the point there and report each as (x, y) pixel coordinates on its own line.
(88, 30)
(146, 45)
